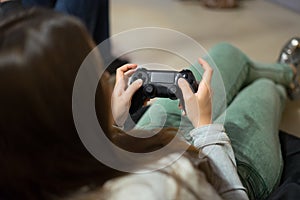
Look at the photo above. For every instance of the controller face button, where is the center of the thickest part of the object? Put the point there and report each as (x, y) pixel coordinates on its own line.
(173, 89)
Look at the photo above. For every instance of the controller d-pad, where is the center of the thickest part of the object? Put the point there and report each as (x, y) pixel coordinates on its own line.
(142, 76)
(149, 91)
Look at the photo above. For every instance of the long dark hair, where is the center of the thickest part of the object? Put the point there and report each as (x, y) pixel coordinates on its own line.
(40, 151)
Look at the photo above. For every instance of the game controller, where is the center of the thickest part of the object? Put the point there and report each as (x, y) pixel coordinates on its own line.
(159, 83)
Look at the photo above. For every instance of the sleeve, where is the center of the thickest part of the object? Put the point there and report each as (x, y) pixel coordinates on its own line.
(215, 145)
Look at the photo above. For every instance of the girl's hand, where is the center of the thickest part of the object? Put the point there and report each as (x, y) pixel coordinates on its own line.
(122, 93)
(198, 106)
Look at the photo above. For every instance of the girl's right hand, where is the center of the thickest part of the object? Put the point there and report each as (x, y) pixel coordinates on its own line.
(198, 106)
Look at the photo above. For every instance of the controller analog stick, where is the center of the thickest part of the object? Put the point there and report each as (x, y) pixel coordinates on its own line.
(149, 90)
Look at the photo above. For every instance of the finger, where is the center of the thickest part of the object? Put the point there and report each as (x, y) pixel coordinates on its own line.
(204, 89)
(119, 88)
(146, 101)
(123, 69)
(180, 106)
(127, 75)
(208, 71)
(207, 76)
(126, 67)
(133, 88)
(185, 88)
(130, 72)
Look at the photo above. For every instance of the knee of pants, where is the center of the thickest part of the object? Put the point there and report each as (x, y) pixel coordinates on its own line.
(229, 48)
(264, 84)
(224, 45)
(267, 89)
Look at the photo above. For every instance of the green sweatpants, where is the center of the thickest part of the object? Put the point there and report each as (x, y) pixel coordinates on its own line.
(249, 102)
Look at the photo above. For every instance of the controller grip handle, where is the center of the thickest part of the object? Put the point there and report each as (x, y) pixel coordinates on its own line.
(137, 101)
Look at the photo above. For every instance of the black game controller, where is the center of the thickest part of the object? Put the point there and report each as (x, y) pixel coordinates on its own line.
(159, 83)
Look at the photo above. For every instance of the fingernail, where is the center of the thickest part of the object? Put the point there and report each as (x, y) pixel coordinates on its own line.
(182, 112)
(139, 81)
(180, 80)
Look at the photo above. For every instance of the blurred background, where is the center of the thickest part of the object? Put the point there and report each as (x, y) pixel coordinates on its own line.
(258, 27)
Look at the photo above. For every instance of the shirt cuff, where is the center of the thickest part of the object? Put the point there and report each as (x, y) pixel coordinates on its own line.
(209, 135)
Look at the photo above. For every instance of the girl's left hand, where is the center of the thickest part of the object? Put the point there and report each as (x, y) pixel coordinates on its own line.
(122, 93)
